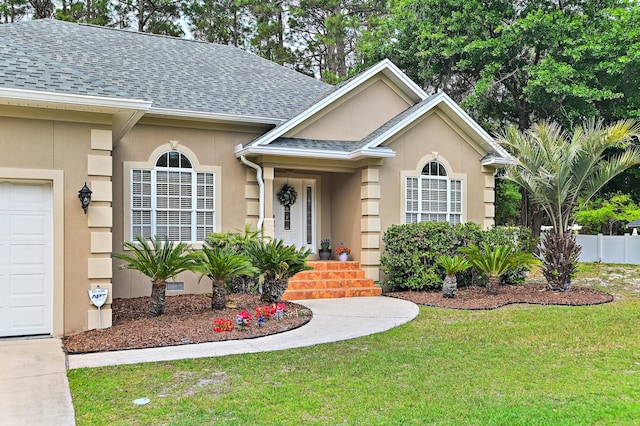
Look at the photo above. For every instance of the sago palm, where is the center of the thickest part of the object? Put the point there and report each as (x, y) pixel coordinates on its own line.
(495, 262)
(220, 264)
(159, 260)
(277, 262)
(557, 168)
(451, 265)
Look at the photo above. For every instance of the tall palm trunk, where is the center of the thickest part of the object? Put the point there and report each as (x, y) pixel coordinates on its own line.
(559, 259)
(218, 295)
(157, 302)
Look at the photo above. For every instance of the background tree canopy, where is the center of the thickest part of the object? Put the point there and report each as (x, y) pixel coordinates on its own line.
(506, 62)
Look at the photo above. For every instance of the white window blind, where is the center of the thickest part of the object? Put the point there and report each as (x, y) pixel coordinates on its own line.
(172, 200)
(433, 196)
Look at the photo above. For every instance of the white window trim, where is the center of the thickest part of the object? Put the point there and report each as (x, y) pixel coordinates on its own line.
(150, 164)
(417, 173)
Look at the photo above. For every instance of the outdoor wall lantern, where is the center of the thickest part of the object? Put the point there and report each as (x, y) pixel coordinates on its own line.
(85, 197)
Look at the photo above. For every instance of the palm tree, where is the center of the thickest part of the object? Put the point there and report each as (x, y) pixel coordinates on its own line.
(557, 168)
(451, 265)
(159, 260)
(236, 242)
(495, 262)
(277, 263)
(220, 264)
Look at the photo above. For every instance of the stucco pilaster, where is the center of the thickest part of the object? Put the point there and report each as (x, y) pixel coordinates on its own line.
(370, 222)
(489, 199)
(100, 222)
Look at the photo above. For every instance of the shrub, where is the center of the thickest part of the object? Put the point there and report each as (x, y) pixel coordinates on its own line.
(411, 251)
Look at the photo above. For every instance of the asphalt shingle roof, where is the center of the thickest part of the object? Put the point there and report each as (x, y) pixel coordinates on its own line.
(173, 73)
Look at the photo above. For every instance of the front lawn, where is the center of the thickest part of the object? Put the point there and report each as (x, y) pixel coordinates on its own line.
(520, 364)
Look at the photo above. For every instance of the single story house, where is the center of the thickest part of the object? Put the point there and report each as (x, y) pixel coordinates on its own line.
(182, 138)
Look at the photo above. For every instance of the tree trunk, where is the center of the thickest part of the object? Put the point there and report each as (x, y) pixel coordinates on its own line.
(157, 302)
(449, 287)
(218, 295)
(559, 254)
(273, 289)
(492, 285)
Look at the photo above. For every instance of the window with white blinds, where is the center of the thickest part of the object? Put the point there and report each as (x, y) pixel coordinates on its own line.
(433, 196)
(172, 200)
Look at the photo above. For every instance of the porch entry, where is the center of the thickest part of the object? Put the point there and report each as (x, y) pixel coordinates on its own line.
(296, 223)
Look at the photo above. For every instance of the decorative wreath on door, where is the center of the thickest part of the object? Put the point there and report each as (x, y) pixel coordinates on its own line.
(287, 195)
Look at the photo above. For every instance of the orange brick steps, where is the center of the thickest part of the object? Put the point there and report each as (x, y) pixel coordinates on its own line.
(330, 279)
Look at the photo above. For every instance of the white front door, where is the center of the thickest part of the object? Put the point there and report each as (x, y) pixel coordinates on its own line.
(26, 259)
(295, 224)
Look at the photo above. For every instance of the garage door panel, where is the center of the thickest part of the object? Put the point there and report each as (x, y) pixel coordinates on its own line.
(29, 197)
(28, 255)
(29, 285)
(28, 226)
(26, 259)
(29, 319)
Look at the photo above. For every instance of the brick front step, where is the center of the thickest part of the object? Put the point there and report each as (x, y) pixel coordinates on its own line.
(330, 279)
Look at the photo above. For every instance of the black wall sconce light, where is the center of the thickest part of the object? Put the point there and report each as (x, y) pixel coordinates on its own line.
(85, 197)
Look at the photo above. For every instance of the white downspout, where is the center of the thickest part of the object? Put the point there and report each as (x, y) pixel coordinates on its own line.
(261, 185)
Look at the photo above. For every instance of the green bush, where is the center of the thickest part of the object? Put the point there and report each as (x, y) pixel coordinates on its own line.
(411, 251)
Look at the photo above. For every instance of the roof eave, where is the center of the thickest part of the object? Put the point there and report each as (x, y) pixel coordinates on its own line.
(314, 153)
(215, 117)
(125, 112)
(497, 162)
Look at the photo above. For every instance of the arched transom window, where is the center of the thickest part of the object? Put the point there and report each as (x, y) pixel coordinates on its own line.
(172, 200)
(433, 196)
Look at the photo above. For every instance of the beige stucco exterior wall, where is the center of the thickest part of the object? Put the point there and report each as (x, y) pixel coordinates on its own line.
(436, 137)
(357, 115)
(40, 147)
(346, 212)
(211, 147)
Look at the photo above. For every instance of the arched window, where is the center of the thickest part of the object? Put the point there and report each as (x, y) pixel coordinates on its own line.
(433, 196)
(172, 200)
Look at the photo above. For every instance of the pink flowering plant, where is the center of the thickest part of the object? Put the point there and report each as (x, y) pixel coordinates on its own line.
(243, 319)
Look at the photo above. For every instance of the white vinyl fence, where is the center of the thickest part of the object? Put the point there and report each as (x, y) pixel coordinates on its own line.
(610, 248)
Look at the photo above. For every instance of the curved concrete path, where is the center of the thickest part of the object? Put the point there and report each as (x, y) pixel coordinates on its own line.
(333, 320)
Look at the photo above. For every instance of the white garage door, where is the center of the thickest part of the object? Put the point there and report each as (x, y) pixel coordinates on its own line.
(26, 259)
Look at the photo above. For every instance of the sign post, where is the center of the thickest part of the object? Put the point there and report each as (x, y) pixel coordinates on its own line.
(98, 296)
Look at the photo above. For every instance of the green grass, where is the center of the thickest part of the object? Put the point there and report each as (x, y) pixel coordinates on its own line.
(518, 365)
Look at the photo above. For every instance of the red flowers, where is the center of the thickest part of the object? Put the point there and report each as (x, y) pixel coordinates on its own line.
(243, 319)
(221, 325)
(343, 249)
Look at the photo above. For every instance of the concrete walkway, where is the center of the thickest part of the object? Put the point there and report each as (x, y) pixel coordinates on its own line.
(33, 384)
(333, 320)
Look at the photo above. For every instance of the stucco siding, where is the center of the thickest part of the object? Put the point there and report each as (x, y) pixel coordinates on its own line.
(432, 137)
(346, 212)
(356, 116)
(63, 148)
(206, 147)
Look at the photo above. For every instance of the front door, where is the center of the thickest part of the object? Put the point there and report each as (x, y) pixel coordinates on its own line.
(295, 222)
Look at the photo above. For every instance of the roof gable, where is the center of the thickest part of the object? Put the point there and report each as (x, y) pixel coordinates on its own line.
(404, 84)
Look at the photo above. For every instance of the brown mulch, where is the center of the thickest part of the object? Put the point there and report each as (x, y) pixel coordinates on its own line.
(187, 319)
(476, 297)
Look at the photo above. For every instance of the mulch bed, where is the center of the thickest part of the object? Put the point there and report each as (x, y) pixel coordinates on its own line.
(187, 319)
(477, 298)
